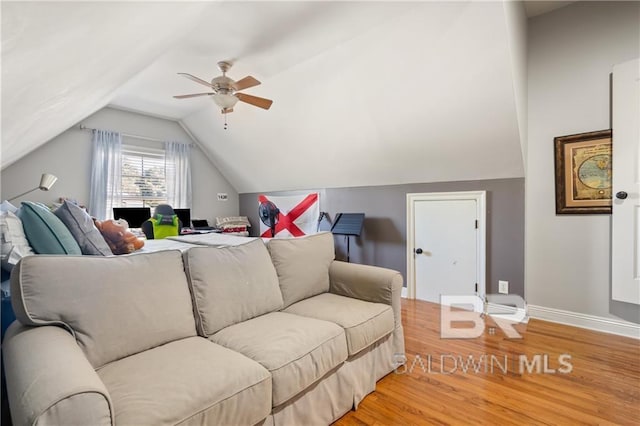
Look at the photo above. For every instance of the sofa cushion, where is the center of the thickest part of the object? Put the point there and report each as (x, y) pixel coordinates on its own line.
(115, 306)
(191, 381)
(81, 226)
(296, 350)
(302, 265)
(45, 232)
(364, 323)
(231, 284)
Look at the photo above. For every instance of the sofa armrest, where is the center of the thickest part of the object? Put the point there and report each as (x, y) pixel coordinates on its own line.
(50, 381)
(369, 283)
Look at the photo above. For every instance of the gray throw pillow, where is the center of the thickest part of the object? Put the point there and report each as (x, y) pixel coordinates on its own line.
(83, 229)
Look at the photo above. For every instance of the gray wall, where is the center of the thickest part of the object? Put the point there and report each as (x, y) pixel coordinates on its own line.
(383, 241)
(68, 156)
(571, 53)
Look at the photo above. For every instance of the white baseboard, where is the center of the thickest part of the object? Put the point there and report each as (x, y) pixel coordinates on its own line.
(404, 292)
(591, 322)
(506, 312)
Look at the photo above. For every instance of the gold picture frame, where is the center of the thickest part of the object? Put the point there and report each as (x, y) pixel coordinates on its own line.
(583, 173)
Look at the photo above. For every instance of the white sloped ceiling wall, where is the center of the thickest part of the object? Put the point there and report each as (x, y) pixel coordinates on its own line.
(364, 93)
(61, 62)
(427, 96)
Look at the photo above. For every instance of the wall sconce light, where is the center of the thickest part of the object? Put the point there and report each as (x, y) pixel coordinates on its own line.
(46, 182)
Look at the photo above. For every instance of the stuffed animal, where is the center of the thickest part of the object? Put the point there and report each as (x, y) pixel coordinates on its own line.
(117, 235)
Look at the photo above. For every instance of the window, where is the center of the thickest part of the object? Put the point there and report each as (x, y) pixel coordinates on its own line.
(130, 175)
(144, 181)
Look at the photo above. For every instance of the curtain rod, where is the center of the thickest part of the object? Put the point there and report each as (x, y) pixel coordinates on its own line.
(129, 135)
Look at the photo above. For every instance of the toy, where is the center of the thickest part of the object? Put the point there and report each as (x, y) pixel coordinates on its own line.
(117, 235)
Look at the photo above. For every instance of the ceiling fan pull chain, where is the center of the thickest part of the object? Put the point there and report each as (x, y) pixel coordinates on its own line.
(225, 121)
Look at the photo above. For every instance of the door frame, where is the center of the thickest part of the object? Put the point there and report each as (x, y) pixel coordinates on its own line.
(481, 247)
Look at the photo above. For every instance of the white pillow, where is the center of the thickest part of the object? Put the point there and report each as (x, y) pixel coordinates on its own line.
(232, 221)
(14, 242)
(8, 207)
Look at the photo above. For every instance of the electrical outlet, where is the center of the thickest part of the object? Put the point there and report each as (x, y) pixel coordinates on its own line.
(222, 196)
(503, 287)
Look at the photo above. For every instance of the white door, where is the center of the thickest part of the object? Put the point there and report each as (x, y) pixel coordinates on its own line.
(625, 228)
(445, 244)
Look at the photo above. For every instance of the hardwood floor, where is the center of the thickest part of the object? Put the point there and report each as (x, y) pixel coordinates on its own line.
(603, 386)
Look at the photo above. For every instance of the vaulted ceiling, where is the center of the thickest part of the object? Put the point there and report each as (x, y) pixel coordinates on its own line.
(365, 93)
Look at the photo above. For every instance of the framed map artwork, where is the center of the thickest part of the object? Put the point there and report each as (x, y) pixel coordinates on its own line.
(583, 173)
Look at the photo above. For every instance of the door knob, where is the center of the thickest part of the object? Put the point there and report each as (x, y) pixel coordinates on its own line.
(418, 251)
(621, 195)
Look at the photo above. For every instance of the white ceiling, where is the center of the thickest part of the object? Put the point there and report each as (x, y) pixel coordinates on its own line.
(263, 39)
(365, 93)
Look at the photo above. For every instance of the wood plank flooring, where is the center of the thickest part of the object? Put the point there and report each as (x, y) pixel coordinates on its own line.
(603, 386)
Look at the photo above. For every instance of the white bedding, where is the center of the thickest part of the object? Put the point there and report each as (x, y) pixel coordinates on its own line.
(212, 239)
(185, 242)
(164, 244)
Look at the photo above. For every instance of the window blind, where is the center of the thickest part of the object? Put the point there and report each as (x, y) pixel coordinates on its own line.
(144, 181)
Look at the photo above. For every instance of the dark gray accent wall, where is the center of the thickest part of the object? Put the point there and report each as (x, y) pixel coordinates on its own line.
(383, 241)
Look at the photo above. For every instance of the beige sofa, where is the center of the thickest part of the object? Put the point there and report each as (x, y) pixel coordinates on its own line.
(280, 334)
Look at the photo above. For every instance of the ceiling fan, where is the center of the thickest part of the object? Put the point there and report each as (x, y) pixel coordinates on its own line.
(225, 90)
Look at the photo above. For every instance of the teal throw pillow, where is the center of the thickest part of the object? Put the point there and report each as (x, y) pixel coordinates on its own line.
(45, 232)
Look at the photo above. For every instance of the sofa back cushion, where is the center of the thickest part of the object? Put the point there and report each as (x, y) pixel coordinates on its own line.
(114, 306)
(231, 284)
(302, 265)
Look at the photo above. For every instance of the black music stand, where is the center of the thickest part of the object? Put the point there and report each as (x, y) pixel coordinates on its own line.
(349, 224)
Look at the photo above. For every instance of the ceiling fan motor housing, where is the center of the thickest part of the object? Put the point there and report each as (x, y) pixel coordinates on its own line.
(223, 85)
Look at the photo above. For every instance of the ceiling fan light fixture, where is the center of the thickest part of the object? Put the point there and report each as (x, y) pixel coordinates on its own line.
(225, 91)
(224, 101)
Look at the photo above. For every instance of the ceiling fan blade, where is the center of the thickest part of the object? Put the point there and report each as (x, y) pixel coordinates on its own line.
(196, 79)
(193, 95)
(254, 100)
(245, 83)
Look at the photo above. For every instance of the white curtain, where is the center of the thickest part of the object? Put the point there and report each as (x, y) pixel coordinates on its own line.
(106, 173)
(178, 174)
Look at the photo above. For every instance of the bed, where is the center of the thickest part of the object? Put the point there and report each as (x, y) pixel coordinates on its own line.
(164, 244)
(184, 242)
